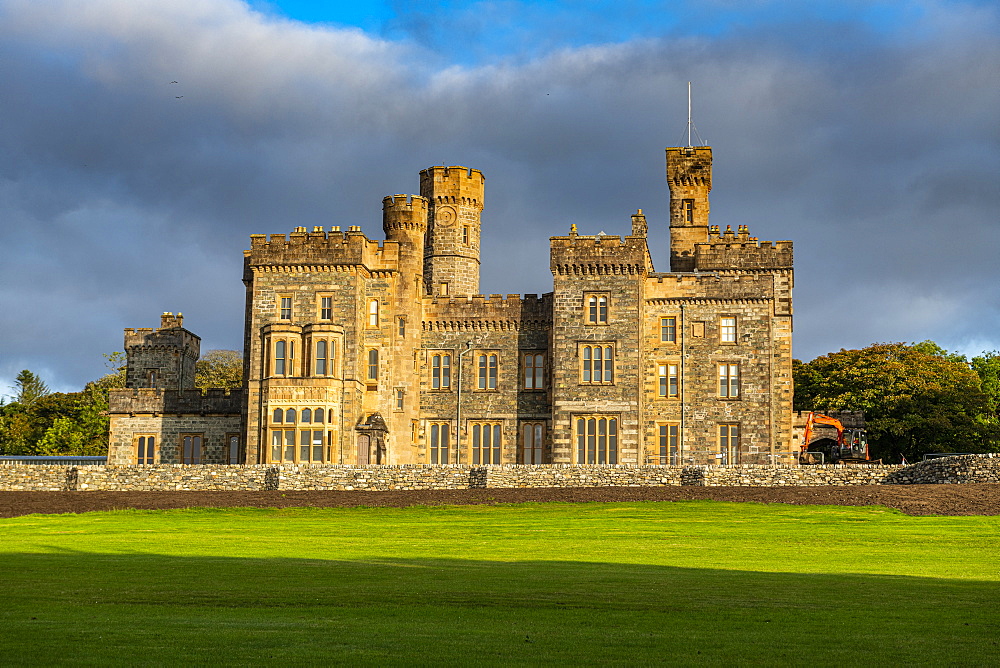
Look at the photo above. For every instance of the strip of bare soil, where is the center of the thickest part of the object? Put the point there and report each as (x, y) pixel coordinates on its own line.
(968, 499)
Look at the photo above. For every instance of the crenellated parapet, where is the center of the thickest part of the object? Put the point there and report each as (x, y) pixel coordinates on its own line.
(404, 212)
(453, 185)
(599, 255)
(729, 250)
(321, 248)
(157, 401)
(487, 313)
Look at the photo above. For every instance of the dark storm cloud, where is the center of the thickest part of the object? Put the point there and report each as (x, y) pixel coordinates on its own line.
(123, 195)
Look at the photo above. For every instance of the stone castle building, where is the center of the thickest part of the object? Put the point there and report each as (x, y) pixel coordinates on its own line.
(359, 351)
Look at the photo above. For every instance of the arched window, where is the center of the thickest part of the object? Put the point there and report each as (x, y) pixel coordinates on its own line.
(597, 440)
(290, 416)
(318, 415)
(306, 415)
(278, 415)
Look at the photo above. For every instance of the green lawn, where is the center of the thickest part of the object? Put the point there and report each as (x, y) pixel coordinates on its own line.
(637, 583)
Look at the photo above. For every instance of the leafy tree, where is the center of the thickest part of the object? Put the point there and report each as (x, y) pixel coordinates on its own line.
(219, 368)
(30, 388)
(916, 398)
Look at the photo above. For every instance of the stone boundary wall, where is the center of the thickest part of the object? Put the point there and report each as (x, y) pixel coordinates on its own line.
(172, 477)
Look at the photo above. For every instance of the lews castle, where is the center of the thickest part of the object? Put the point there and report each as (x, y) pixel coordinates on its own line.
(359, 351)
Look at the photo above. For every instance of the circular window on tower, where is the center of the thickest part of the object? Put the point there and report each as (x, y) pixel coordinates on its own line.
(445, 216)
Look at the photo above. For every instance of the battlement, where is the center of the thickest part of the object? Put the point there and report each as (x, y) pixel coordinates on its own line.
(170, 338)
(689, 166)
(453, 185)
(320, 248)
(738, 250)
(404, 212)
(708, 287)
(215, 401)
(598, 254)
(495, 311)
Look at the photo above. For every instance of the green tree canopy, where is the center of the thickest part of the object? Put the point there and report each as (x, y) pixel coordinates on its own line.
(30, 388)
(219, 368)
(917, 398)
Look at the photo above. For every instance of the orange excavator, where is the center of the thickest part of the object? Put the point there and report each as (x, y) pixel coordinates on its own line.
(851, 446)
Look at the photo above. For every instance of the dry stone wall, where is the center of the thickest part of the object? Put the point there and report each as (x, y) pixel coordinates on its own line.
(172, 477)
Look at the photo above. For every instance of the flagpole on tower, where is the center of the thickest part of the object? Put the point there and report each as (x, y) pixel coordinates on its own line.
(689, 115)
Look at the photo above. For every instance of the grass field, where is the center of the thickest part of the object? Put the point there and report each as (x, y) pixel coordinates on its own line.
(640, 583)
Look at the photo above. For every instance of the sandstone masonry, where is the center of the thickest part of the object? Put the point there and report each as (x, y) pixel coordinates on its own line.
(360, 351)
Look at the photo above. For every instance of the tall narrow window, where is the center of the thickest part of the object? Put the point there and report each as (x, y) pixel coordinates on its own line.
(597, 309)
(668, 386)
(400, 395)
(373, 313)
(534, 371)
(401, 327)
(597, 440)
(372, 364)
(440, 371)
(729, 444)
(322, 357)
(488, 372)
(485, 443)
(669, 444)
(729, 381)
(727, 330)
(280, 357)
(326, 308)
(465, 235)
(443, 289)
(234, 449)
(152, 376)
(439, 437)
(687, 207)
(532, 441)
(191, 448)
(597, 364)
(145, 450)
(668, 329)
(285, 308)
(278, 416)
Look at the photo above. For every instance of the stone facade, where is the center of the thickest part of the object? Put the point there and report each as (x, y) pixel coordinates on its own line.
(360, 351)
(947, 470)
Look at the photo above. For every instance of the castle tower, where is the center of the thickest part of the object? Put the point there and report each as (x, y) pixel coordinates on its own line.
(451, 254)
(404, 219)
(163, 358)
(689, 176)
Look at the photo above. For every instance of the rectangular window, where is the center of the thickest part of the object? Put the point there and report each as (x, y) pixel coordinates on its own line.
(280, 357)
(401, 327)
(234, 449)
(282, 445)
(400, 396)
(439, 442)
(485, 443)
(488, 371)
(440, 371)
(668, 329)
(320, 365)
(687, 207)
(465, 235)
(668, 385)
(285, 308)
(190, 448)
(729, 381)
(443, 289)
(145, 449)
(727, 330)
(532, 442)
(597, 363)
(729, 444)
(372, 364)
(326, 308)
(597, 309)
(373, 314)
(597, 440)
(534, 371)
(669, 444)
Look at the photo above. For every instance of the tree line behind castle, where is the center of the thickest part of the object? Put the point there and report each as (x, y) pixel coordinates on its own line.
(917, 398)
(39, 422)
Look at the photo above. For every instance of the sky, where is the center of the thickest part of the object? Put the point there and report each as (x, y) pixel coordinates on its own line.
(143, 141)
